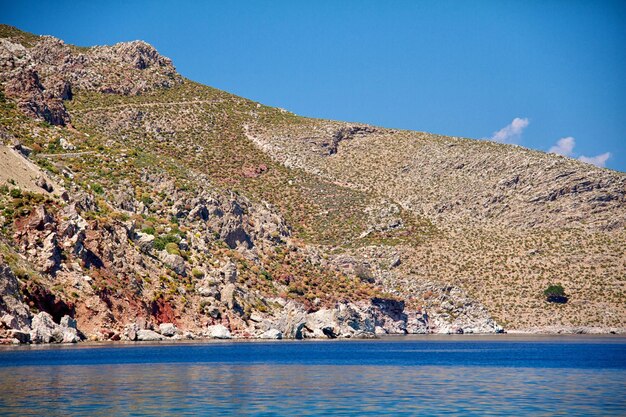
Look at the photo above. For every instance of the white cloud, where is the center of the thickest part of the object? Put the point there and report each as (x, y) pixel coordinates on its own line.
(564, 146)
(511, 132)
(598, 160)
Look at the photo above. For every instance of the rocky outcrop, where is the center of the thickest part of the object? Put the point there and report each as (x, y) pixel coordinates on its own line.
(14, 313)
(42, 76)
(344, 320)
(45, 330)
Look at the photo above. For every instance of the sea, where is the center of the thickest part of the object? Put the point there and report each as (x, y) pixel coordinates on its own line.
(465, 375)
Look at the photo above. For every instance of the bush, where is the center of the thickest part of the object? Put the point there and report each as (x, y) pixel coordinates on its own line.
(97, 188)
(161, 241)
(146, 199)
(555, 294)
(266, 275)
(172, 248)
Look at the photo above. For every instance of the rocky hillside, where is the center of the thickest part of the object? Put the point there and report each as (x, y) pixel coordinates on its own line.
(139, 205)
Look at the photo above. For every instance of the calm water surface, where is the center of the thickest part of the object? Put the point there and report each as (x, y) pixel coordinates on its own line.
(466, 375)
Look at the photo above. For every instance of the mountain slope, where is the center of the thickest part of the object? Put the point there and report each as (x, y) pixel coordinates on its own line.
(184, 204)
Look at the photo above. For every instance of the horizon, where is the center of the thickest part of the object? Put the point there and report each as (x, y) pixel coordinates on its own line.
(570, 105)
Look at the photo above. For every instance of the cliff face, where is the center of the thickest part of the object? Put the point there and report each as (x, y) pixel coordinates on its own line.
(139, 205)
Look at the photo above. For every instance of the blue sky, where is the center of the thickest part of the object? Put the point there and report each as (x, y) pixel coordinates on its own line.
(549, 75)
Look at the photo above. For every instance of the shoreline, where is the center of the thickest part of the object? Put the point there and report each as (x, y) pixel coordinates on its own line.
(176, 335)
(432, 337)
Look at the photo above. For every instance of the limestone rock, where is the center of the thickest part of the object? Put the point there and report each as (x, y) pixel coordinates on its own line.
(68, 322)
(218, 331)
(148, 336)
(20, 336)
(228, 295)
(229, 271)
(145, 242)
(131, 331)
(66, 145)
(42, 183)
(45, 330)
(168, 329)
(175, 262)
(15, 313)
(271, 334)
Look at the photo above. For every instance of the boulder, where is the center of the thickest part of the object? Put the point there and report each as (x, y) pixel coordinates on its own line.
(42, 183)
(131, 331)
(175, 262)
(218, 331)
(9, 321)
(144, 242)
(70, 335)
(45, 330)
(66, 145)
(42, 328)
(148, 336)
(168, 329)
(272, 334)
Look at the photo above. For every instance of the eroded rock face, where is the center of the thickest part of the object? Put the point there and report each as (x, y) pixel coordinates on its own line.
(344, 320)
(14, 313)
(41, 77)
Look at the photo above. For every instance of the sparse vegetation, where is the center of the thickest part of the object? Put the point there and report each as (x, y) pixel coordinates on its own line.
(555, 294)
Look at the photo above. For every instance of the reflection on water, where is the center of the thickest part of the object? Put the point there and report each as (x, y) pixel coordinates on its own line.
(358, 378)
(175, 389)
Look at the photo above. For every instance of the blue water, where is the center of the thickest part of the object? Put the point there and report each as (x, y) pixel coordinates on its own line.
(450, 375)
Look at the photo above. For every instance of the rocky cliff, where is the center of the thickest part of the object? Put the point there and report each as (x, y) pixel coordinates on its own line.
(138, 205)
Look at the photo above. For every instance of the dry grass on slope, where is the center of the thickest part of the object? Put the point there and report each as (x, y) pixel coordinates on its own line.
(454, 179)
(512, 221)
(199, 129)
(508, 270)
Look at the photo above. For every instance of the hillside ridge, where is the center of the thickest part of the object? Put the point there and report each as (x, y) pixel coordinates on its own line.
(166, 209)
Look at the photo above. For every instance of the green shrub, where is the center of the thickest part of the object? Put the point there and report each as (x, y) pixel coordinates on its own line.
(97, 188)
(148, 230)
(555, 294)
(161, 241)
(172, 248)
(146, 199)
(197, 273)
